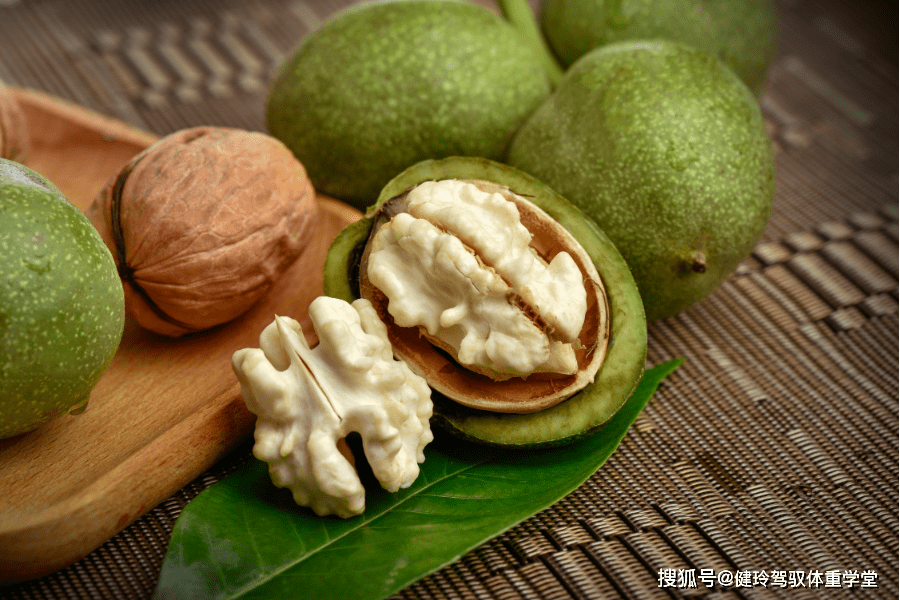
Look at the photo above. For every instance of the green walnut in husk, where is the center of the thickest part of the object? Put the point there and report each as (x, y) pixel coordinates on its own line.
(62, 309)
(667, 151)
(384, 85)
(495, 380)
(741, 33)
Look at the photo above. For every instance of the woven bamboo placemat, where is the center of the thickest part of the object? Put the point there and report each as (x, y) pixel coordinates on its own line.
(766, 466)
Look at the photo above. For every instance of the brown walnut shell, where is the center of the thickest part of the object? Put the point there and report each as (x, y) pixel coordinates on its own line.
(14, 137)
(202, 223)
(530, 394)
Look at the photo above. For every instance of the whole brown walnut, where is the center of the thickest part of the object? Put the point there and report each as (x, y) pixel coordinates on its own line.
(202, 223)
(14, 140)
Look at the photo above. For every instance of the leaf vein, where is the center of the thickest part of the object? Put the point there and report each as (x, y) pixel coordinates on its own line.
(391, 508)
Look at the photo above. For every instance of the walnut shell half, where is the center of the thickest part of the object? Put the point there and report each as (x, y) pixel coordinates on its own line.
(202, 223)
(540, 390)
(14, 136)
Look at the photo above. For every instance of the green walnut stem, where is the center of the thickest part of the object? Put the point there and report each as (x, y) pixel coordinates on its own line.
(520, 14)
(698, 262)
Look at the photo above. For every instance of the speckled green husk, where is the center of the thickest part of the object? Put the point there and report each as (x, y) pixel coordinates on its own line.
(62, 308)
(742, 33)
(588, 410)
(668, 152)
(387, 84)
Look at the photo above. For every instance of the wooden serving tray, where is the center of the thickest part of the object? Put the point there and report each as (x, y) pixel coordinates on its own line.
(165, 411)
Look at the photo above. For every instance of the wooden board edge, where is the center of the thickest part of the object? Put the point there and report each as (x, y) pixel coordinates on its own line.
(223, 423)
(111, 128)
(157, 469)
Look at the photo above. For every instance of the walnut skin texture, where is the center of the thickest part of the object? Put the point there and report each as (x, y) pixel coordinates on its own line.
(201, 225)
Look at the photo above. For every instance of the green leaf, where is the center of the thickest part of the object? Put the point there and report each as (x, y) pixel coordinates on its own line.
(244, 538)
